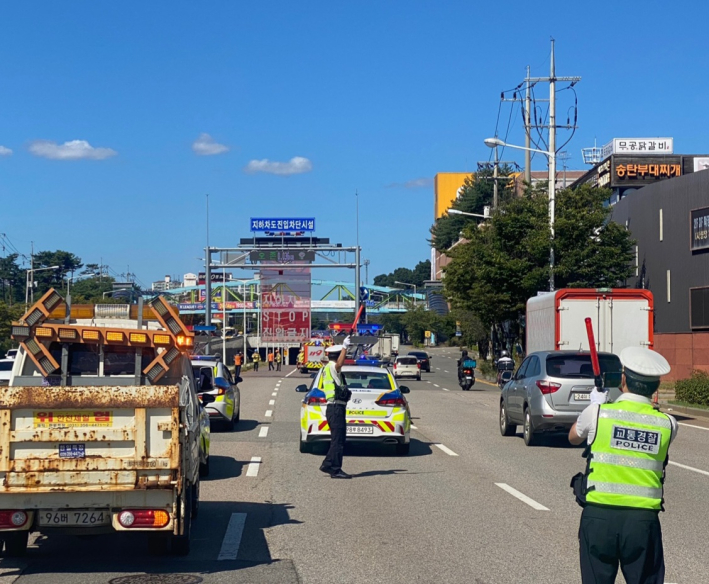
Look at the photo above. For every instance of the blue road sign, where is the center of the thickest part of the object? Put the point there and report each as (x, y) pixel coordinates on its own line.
(282, 224)
(204, 328)
(363, 293)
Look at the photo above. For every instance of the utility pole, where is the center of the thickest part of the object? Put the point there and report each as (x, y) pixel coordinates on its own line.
(527, 131)
(494, 178)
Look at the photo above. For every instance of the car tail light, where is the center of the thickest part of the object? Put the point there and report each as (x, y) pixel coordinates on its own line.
(391, 401)
(547, 387)
(12, 519)
(394, 366)
(418, 365)
(221, 391)
(130, 518)
(312, 400)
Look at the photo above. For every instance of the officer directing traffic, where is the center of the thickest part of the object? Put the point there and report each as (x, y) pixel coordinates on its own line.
(622, 489)
(337, 396)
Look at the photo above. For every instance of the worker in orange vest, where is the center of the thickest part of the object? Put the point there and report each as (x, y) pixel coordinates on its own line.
(237, 364)
(270, 360)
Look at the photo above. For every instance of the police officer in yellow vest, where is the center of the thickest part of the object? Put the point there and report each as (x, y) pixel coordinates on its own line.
(337, 396)
(622, 489)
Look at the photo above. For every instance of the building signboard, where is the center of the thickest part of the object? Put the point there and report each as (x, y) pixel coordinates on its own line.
(282, 224)
(285, 305)
(699, 220)
(639, 171)
(638, 146)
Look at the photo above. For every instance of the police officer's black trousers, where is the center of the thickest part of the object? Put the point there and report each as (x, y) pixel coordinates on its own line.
(335, 414)
(629, 537)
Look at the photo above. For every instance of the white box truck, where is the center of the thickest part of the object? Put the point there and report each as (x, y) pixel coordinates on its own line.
(622, 317)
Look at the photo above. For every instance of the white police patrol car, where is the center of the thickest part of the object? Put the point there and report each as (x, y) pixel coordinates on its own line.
(377, 412)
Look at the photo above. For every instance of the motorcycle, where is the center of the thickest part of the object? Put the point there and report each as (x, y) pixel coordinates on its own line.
(467, 378)
(503, 378)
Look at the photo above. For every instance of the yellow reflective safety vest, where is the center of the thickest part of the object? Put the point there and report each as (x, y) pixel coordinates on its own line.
(328, 383)
(628, 456)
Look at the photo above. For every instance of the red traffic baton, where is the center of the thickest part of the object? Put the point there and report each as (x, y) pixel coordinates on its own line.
(353, 330)
(594, 355)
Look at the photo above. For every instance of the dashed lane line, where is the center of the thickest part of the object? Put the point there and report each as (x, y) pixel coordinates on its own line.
(436, 385)
(272, 402)
(445, 449)
(428, 382)
(413, 427)
(252, 469)
(684, 466)
(445, 389)
(263, 432)
(446, 371)
(274, 394)
(269, 413)
(522, 497)
(232, 537)
(692, 426)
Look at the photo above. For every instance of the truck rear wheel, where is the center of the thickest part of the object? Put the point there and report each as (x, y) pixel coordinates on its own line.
(16, 543)
(181, 543)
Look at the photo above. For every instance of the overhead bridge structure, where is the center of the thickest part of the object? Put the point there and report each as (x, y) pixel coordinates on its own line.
(242, 296)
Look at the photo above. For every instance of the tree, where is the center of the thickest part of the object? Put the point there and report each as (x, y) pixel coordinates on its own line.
(507, 259)
(8, 314)
(476, 193)
(12, 279)
(68, 264)
(417, 276)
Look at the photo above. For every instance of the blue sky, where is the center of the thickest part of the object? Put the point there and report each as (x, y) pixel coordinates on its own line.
(374, 95)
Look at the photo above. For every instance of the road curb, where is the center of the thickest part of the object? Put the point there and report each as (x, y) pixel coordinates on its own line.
(674, 409)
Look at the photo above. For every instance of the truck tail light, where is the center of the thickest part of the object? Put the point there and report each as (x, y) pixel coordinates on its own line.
(131, 518)
(312, 400)
(547, 387)
(12, 519)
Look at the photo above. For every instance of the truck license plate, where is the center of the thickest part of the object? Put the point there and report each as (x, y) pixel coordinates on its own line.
(74, 518)
(72, 451)
(582, 397)
(360, 429)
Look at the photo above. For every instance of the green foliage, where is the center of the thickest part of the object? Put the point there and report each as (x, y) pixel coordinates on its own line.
(477, 192)
(12, 280)
(418, 320)
(8, 313)
(68, 264)
(91, 290)
(506, 260)
(694, 390)
(417, 276)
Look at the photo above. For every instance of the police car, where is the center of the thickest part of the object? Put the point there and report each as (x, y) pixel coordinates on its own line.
(213, 377)
(377, 411)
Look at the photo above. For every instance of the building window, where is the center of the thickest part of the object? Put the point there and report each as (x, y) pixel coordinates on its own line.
(661, 226)
(699, 308)
(669, 285)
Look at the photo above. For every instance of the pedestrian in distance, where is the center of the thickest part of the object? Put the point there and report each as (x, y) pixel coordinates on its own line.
(237, 364)
(621, 491)
(277, 359)
(256, 358)
(337, 396)
(270, 360)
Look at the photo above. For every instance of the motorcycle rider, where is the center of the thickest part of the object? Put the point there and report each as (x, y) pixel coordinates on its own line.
(463, 357)
(504, 363)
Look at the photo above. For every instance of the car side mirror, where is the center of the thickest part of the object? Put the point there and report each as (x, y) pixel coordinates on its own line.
(302, 388)
(404, 389)
(207, 398)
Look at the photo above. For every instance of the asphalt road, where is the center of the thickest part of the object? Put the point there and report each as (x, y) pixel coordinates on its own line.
(466, 505)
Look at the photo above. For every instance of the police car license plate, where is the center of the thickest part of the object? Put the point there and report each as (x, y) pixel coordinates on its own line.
(360, 429)
(582, 397)
(73, 518)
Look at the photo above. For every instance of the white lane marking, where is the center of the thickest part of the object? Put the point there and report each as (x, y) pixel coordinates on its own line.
(413, 427)
(444, 389)
(692, 426)
(252, 469)
(232, 537)
(445, 449)
(522, 497)
(436, 385)
(428, 382)
(263, 432)
(279, 382)
(438, 368)
(272, 402)
(274, 394)
(684, 466)
(269, 413)
(291, 373)
(446, 371)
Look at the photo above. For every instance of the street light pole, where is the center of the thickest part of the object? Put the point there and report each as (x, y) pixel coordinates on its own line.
(552, 162)
(494, 178)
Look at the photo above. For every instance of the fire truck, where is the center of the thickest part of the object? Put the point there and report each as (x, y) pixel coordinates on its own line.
(102, 427)
(311, 354)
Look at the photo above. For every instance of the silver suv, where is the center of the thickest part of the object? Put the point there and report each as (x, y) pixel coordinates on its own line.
(550, 389)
